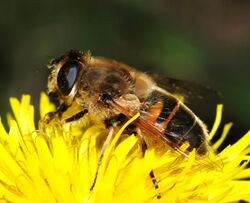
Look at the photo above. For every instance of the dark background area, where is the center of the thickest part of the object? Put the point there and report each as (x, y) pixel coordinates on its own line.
(207, 42)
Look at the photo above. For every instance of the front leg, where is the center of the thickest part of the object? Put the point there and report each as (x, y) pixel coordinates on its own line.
(76, 116)
(59, 112)
(51, 115)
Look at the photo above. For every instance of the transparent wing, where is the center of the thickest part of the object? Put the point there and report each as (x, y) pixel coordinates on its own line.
(202, 100)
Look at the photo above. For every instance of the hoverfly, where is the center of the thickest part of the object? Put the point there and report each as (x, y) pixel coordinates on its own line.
(112, 92)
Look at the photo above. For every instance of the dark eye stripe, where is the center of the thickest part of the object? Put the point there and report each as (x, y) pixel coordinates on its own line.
(67, 77)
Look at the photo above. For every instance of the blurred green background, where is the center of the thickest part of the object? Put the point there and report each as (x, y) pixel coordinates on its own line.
(203, 41)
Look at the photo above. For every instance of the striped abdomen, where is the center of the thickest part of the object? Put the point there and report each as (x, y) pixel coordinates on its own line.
(165, 116)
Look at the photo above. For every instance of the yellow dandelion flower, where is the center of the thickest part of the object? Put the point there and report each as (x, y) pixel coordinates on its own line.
(58, 163)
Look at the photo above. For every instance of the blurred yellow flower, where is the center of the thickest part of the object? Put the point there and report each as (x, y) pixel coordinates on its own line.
(57, 163)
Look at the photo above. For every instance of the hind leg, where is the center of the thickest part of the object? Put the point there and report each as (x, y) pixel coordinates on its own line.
(144, 147)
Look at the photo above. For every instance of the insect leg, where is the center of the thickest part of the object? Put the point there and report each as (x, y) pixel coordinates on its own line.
(60, 110)
(76, 116)
(104, 148)
(115, 121)
(51, 115)
(144, 148)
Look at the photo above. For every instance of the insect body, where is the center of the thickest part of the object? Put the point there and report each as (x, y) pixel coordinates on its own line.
(112, 92)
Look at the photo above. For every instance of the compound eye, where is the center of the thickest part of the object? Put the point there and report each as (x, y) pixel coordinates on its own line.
(67, 77)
